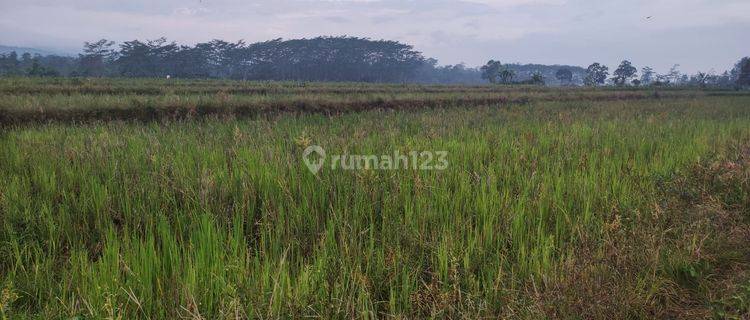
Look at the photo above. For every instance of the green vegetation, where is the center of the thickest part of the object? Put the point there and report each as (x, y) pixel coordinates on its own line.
(557, 203)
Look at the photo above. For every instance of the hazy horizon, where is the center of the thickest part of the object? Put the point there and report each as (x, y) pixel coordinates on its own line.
(697, 34)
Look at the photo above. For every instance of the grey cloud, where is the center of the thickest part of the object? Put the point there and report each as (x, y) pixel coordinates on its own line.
(698, 34)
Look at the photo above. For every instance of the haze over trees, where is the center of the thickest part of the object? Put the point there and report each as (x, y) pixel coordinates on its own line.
(647, 75)
(507, 75)
(564, 75)
(318, 59)
(537, 78)
(333, 59)
(496, 72)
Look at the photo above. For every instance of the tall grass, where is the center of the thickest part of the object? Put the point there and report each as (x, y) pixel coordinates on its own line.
(221, 219)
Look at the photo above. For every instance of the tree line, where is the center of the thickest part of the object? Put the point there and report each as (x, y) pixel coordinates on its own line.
(626, 74)
(318, 59)
(331, 59)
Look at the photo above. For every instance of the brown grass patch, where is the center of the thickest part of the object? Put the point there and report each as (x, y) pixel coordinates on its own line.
(688, 258)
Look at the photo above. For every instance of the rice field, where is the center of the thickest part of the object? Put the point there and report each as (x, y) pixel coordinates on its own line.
(157, 199)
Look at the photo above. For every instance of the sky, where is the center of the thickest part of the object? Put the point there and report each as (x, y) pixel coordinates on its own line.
(699, 35)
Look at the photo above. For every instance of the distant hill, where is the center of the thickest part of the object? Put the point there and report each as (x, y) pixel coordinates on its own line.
(33, 51)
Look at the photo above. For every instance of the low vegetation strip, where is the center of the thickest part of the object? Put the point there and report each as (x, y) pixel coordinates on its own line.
(114, 86)
(301, 89)
(165, 88)
(23, 109)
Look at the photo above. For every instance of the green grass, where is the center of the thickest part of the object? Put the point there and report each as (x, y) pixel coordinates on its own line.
(219, 217)
(32, 101)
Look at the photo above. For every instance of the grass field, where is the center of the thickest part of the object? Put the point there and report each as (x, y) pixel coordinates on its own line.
(189, 199)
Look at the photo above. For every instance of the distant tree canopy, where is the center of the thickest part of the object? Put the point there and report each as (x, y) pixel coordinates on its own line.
(743, 71)
(496, 72)
(596, 74)
(507, 75)
(564, 75)
(96, 57)
(432, 73)
(335, 59)
(647, 75)
(537, 78)
(491, 71)
(318, 59)
(623, 73)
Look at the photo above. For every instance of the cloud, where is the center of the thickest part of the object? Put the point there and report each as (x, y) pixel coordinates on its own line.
(514, 3)
(548, 31)
(191, 11)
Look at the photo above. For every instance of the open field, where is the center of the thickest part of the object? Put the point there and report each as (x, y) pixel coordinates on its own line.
(90, 100)
(155, 199)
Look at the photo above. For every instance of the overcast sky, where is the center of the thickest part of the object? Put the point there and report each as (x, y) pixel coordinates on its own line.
(697, 34)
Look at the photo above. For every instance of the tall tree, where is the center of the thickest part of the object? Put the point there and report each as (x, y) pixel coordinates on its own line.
(153, 58)
(623, 73)
(647, 75)
(564, 75)
(96, 57)
(9, 64)
(724, 79)
(701, 79)
(596, 74)
(674, 76)
(26, 60)
(491, 71)
(507, 75)
(743, 71)
(134, 59)
(537, 78)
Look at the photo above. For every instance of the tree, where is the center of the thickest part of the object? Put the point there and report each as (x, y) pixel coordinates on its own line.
(37, 70)
(564, 75)
(9, 64)
(724, 79)
(495, 72)
(743, 71)
(95, 58)
(596, 74)
(153, 58)
(623, 73)
(674, 76)
(317, 59)
(135, 59)
(491, 71)
(537, 78)
(661, 80)
(647, 75)
(701, 78)
(507, 75)
(26, 60)
(432, 73)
